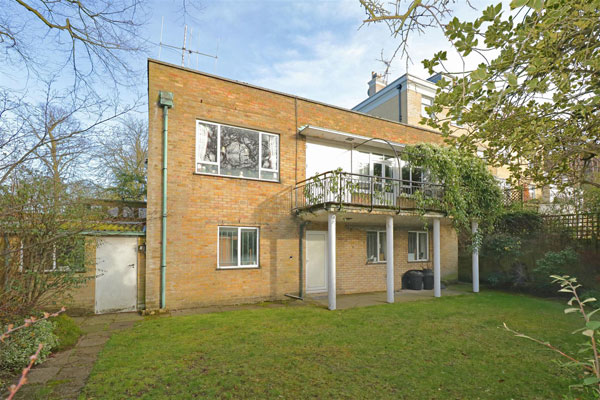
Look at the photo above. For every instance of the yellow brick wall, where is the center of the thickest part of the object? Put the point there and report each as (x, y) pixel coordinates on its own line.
(355, 275)
(198, 204)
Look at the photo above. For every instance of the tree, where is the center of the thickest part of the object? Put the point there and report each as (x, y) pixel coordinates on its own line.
(93, 38)
(53, 135)
(42, 251)
(122, 157)
(533, 100)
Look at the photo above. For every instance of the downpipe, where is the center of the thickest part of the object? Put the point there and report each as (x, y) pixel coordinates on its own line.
(166, 101)
(300, 264)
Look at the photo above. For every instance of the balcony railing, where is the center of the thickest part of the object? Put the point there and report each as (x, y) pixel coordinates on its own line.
(335, 188)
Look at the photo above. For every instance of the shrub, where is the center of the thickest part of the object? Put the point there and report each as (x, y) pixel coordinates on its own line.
(552, 263)
(67, 332)
(20, 345)
(498, 279)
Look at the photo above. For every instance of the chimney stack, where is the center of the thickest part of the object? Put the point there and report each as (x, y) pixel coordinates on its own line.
(375, 84)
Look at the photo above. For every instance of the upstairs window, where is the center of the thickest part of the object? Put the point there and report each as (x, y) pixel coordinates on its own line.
(238, 152)
(532, 192)
(426, 102)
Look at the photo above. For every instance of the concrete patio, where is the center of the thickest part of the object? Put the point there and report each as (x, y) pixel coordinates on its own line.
(346, 301)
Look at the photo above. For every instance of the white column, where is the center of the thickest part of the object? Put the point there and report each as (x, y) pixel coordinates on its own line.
(331, 260)
(475, 258)
(389, 256)
(437, 282)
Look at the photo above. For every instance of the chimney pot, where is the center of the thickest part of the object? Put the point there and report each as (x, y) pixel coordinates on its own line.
(375, 84)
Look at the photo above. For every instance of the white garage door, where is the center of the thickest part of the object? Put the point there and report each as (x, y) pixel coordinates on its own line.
(116, 274)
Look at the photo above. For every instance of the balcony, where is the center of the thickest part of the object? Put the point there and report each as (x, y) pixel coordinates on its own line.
(363, 192)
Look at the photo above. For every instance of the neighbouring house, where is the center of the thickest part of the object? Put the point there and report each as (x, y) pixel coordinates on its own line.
(255, 194)
(405, 100)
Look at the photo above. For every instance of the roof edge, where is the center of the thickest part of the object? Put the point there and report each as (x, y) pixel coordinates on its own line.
(166, 64)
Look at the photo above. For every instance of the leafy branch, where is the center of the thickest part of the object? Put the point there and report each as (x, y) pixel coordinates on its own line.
(591, 365)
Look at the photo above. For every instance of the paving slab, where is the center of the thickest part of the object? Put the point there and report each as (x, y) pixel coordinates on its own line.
(121, 317)
(43, 375)
(75, 373)
(92, 341)
(64, 374)
(120, 325)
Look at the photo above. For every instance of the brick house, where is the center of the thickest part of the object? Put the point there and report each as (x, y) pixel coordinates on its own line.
(269, 194)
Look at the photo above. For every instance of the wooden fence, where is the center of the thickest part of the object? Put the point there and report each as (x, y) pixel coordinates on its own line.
(575, 226)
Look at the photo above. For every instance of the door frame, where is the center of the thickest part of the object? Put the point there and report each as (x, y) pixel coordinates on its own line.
(326, 287)
(136, 269)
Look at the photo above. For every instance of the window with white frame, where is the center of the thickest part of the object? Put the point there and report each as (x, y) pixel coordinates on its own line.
(238, 152)
(532, 192)
(65, 254)
(238, 247)
(418, 246)
(412, 174)
(376, 246)
(426, 102)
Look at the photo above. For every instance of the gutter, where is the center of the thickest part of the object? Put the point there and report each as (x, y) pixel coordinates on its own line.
(165, 100)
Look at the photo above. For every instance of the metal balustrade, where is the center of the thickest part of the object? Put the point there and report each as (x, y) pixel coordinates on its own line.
(357, 190)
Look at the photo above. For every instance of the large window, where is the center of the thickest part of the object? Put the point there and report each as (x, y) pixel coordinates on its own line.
(376, 246)
(238, 247)
(418, 246)
(239, 152)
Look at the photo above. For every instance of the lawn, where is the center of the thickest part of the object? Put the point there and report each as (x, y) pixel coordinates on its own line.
(448, 348)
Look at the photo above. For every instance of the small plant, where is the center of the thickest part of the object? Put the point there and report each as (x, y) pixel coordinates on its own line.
(15, 341)
(67, 331)
(590, 364)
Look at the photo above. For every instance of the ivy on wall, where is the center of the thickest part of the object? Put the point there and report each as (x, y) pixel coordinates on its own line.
(470, 193)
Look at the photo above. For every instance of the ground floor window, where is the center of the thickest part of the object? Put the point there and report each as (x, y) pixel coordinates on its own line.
(418, 246)
(376, 246)
(64, 254)
(237, 247)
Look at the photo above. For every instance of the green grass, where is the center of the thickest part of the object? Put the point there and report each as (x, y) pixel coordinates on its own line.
(67, 331)
(448, 348)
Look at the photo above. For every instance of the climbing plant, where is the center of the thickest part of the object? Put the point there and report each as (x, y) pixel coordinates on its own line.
(470, 190)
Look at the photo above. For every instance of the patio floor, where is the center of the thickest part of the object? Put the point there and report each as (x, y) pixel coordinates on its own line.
(345, 301)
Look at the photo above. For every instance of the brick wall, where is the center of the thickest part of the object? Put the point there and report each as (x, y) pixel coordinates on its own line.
(198, 204)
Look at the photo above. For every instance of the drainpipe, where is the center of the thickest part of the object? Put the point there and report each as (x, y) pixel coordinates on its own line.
(165, 100)
(300, 264)
(399, 103)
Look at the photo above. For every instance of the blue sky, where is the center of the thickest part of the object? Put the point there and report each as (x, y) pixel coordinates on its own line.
(310, 48)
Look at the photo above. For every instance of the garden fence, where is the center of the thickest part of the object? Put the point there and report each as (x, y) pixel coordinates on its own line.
(575, 226)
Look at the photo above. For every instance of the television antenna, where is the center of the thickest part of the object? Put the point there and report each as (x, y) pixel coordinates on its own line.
(184, 49)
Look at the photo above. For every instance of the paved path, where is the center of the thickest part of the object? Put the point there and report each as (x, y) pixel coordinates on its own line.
(64, 374)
